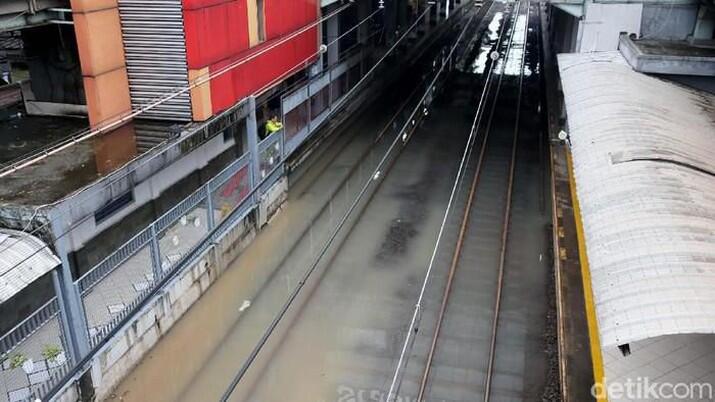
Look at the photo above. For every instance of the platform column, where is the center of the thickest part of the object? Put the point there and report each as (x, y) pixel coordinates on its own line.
(101, 51)
(73, 319)
(252, 141)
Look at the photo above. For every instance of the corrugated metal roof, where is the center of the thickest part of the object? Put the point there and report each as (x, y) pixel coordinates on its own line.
(23, 259)
(644, 163)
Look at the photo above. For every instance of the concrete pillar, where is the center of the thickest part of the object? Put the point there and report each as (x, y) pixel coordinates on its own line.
(705, 26)
(73, 319)
(101, 52)
(201, 108)
(364, 29)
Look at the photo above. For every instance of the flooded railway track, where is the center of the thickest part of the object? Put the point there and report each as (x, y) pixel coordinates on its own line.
(462, 344)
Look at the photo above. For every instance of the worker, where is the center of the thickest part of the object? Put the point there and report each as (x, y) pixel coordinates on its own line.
(273, 125)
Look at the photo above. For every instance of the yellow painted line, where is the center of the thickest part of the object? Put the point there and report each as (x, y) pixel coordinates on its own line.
(593, 337)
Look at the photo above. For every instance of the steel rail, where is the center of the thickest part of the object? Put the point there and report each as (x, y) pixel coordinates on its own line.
(375, 176)
(507, 215)
(467, 212)
(466, 155)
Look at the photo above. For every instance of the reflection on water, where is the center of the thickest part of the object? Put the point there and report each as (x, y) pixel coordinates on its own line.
(71, 169)
(115, 148)
(21, 134)
(513, 61)
(489, 40)
(511, 64)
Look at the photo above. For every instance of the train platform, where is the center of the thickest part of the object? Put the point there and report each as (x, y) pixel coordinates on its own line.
(579, 356)
(632, 232)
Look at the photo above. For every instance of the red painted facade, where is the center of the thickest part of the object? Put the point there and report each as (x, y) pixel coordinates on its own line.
(217, 34)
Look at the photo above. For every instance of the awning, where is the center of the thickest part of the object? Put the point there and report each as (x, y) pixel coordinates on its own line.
(23, 259)
(644, 163)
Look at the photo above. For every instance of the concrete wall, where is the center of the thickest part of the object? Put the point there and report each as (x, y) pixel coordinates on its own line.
(95, 249)
(159, 175)
(602, 24)
(564, 31)
(599, 27)
(668, 21)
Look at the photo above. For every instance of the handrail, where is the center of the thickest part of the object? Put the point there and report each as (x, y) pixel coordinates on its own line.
(28, 326)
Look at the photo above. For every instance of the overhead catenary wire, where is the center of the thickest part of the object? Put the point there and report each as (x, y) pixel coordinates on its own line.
(75, 224)
(375, 175)
(124, 322)
(121, 120)
(411, 333)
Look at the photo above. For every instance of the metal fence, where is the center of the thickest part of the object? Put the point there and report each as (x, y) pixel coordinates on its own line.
(124, 279)
(117, 284)
(270, 158)
(28, 326)
(32, 353)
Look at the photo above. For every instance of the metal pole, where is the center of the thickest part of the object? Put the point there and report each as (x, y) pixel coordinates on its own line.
(74, 322)
(211, 219)
(310, 111)
(155, 255)
(252, 133)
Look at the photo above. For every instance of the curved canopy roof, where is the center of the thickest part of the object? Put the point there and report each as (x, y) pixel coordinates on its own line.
(644, 163)
(23, 259)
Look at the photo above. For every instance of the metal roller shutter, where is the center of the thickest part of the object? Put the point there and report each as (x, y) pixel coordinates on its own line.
(155, 51)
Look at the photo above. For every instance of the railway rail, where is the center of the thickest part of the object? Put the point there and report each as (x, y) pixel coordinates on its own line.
(416, 108)
(491, 189)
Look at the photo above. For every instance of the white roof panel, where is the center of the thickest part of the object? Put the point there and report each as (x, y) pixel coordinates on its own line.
(644, 163)
(23, 259)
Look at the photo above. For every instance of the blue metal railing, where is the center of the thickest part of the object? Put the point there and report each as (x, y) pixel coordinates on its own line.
(272, 154)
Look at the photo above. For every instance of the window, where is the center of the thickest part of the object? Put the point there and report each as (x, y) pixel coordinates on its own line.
(296, 120)
(319, 102)
(113, 206)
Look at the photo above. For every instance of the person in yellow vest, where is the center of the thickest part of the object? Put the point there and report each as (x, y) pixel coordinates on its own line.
(273, 125)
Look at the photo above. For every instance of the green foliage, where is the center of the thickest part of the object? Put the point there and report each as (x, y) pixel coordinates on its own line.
(17, 360)
(50, 352)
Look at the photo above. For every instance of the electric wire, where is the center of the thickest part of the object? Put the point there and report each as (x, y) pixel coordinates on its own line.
(73, 372)
(120, 120)
(77, 223)
(466, 155)
(376, 175)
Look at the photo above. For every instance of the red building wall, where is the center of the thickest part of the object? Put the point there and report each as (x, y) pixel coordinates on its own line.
(217, 35)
